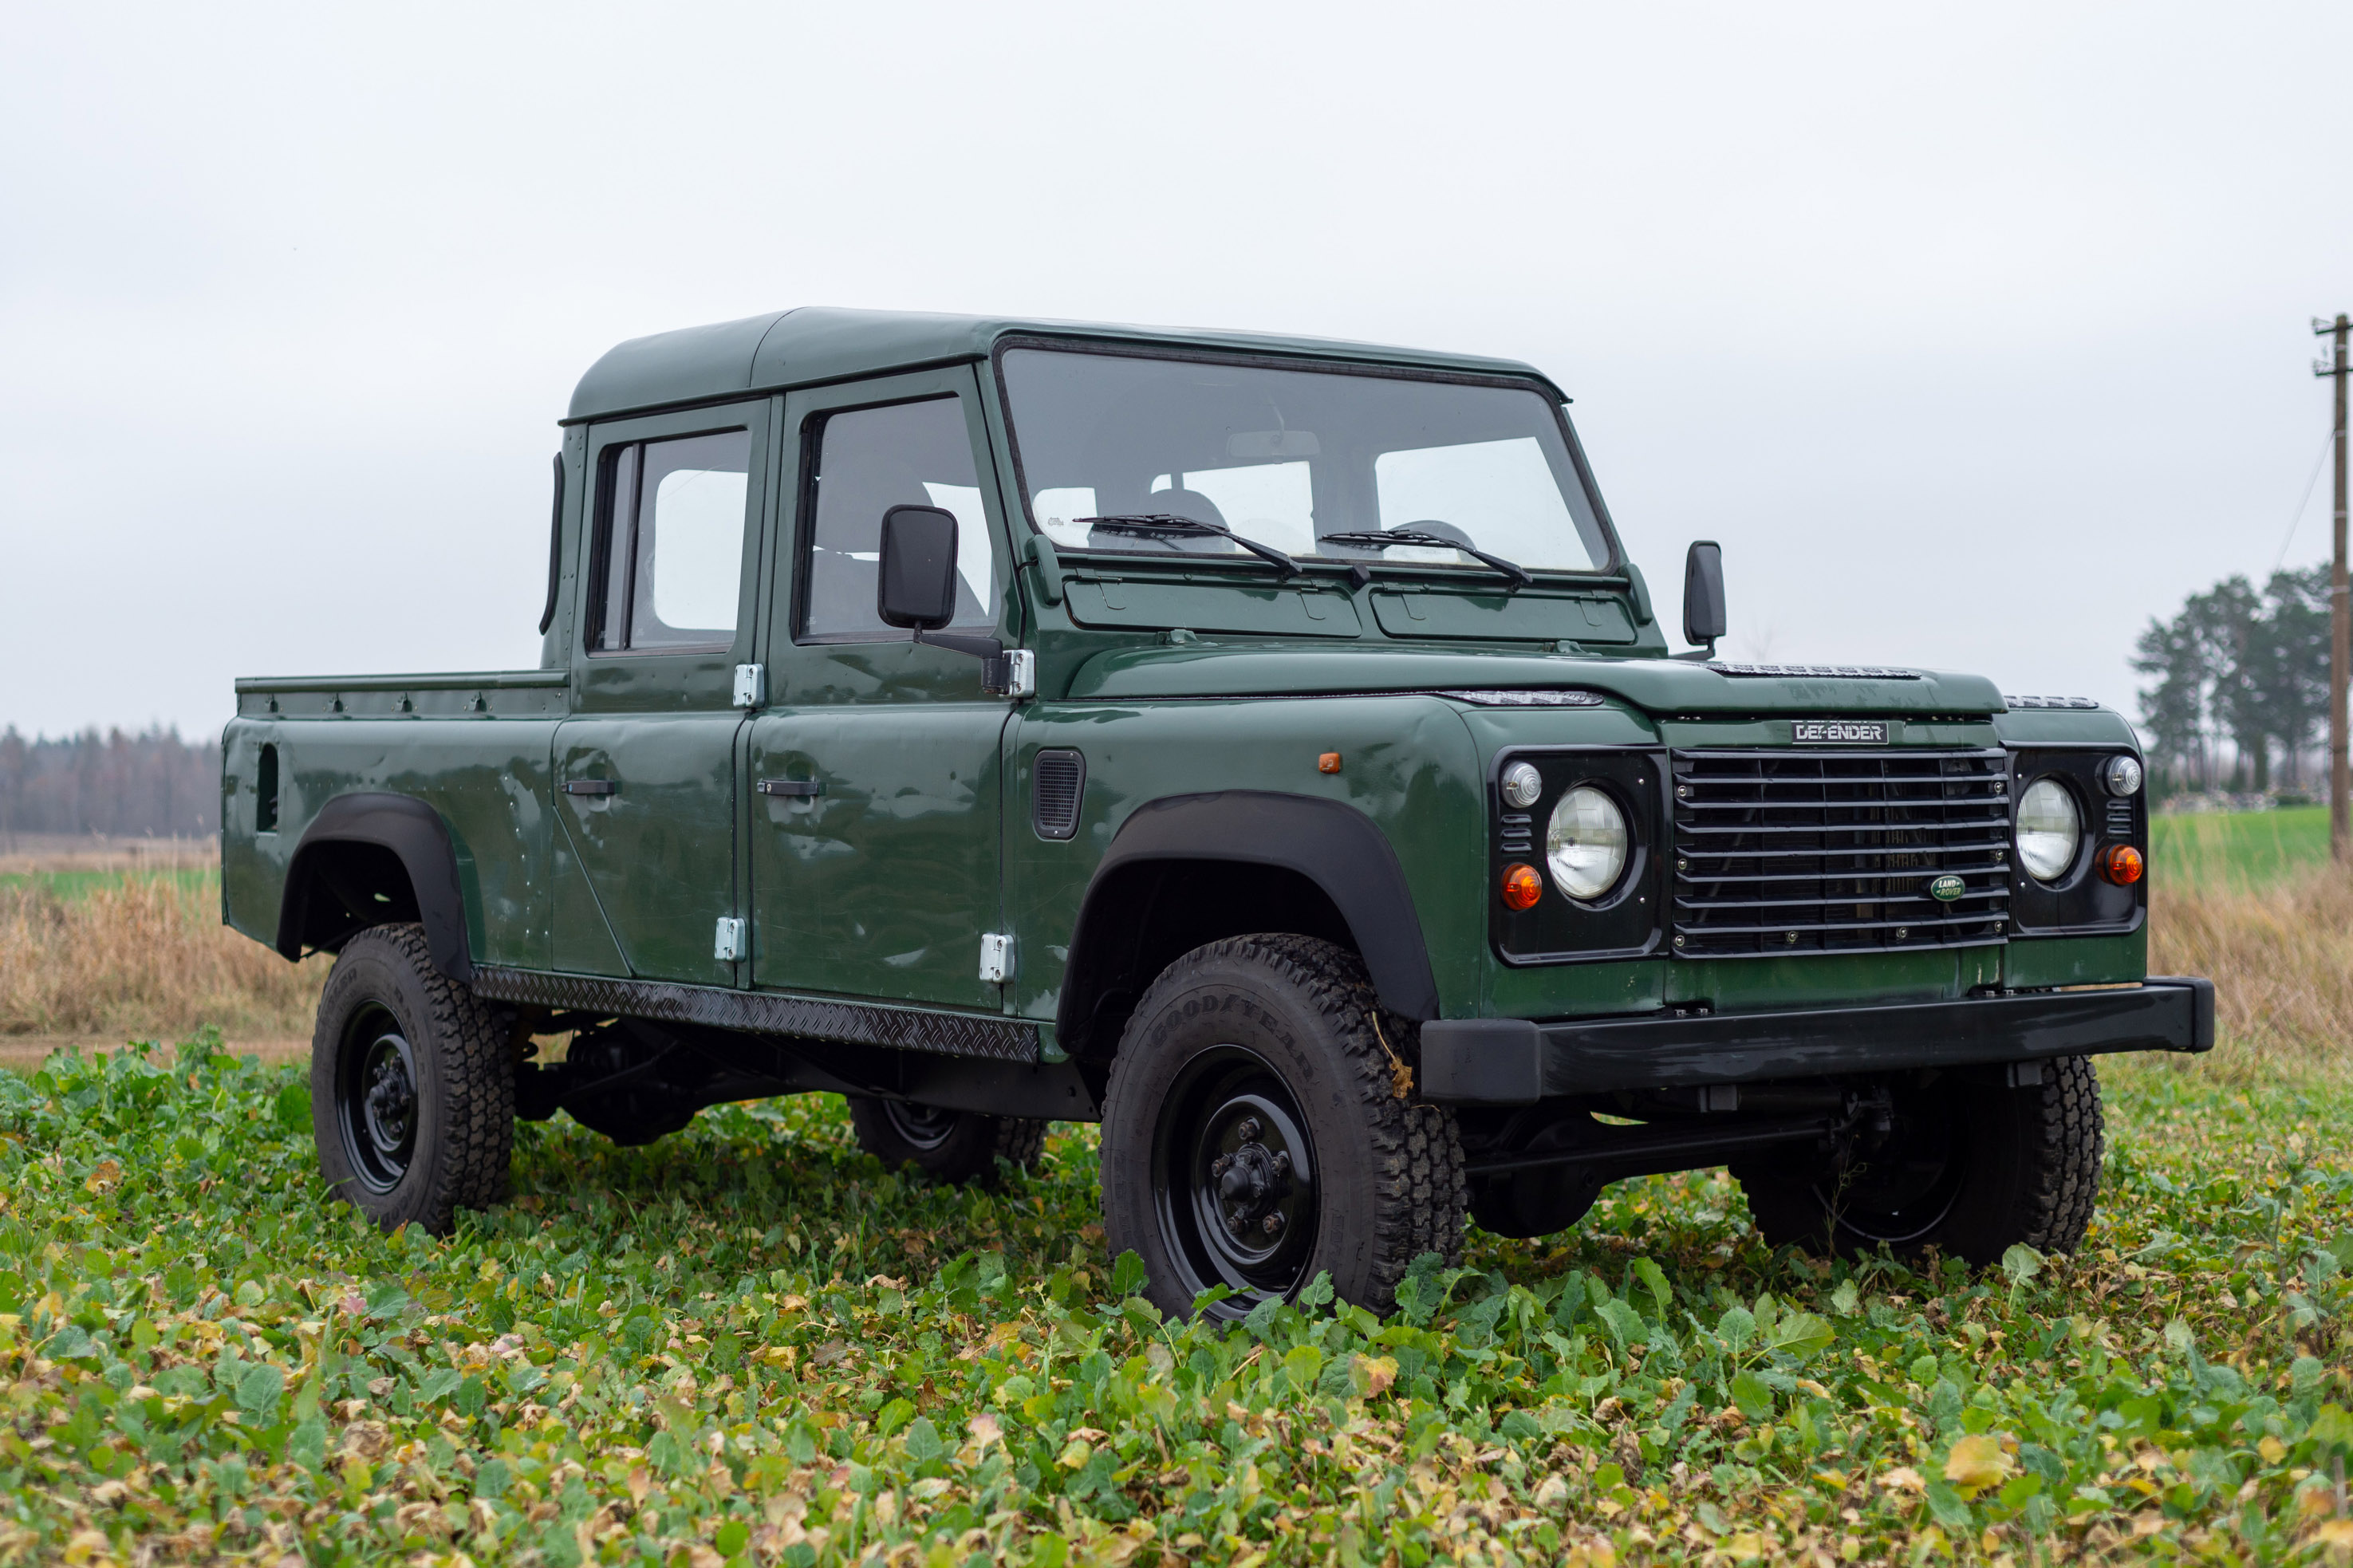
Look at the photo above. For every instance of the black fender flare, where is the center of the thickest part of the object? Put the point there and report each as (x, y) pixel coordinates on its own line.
(417, 836)
(1332, 844)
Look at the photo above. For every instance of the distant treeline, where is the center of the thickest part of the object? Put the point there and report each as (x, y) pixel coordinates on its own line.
(151, 786)
(2241, 674)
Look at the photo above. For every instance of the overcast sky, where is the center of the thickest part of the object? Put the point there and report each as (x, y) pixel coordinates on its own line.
(1977, 334)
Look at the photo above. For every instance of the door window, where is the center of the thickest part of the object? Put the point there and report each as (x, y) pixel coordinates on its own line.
(670, 542)
(868, 461)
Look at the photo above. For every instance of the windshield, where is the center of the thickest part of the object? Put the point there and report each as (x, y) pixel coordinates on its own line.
(1113, 447)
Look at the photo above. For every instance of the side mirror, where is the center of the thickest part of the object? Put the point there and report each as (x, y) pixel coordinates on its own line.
(1704, 594)
(916, 586)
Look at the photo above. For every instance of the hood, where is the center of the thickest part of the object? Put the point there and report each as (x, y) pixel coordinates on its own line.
(1658, 685)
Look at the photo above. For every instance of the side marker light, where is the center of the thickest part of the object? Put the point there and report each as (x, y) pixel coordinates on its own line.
(1522, 886)
(2122, 865)
(1329, 763)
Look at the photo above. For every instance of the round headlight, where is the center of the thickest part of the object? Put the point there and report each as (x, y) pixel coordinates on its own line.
(2048, 829)
(1522, 784)
(1585, 843)
(2122, 775)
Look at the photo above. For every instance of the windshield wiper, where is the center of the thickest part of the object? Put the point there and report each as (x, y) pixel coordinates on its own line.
(1163, 522)
(1420, 538)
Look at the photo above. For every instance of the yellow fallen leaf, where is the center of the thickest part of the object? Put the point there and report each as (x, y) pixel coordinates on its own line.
(985, 1429)
(2336, 1532)
(1976, 1463)
(2272, 1449)
(1903, 1478)
(1374, 1374)
(1075, 1453)
(104, 1178)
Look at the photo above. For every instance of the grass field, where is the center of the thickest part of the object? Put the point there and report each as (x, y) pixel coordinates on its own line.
(2239, 851)
(748, 1343)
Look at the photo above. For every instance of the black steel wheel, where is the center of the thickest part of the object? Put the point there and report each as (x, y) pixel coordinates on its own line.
(1255, 1135)
(412, 1085)
(946, 1145)
(376, 1099)
(1233, 1174)
(1970, 1167)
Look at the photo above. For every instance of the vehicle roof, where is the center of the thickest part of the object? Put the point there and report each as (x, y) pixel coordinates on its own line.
(820, 343)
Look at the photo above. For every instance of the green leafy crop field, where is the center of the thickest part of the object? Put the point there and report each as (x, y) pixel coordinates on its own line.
(749, 1344)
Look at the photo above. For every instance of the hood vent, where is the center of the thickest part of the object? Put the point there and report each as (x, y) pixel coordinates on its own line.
(1058, 782)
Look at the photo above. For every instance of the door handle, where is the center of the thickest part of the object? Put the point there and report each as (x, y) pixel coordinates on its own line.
(591, 787)
(792, 788)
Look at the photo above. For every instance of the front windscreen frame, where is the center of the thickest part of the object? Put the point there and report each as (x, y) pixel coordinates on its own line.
(1614, 566)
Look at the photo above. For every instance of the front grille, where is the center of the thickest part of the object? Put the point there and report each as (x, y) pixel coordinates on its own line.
(1834, 851)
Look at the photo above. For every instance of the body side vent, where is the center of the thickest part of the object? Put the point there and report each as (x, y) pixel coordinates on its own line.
(1058, 780)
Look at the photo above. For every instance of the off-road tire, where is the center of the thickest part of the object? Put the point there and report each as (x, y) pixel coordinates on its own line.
(2028, 1173)
(463, 1083)
(966, 1147)
(1389, 1182)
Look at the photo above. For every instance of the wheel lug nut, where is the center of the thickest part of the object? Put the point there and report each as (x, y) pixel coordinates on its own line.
(1219, 1166)
(1283, 1162)
(1234, 1224)
(1249, 1129)
(1272, 1224)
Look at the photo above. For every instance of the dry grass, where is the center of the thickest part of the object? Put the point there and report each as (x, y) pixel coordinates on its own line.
(146, 956)
(2281, 960)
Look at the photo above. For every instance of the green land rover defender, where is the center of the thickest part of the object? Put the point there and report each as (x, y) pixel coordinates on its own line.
(1261, 746)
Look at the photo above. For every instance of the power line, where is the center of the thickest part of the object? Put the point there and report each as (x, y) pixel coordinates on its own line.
(2326, 443)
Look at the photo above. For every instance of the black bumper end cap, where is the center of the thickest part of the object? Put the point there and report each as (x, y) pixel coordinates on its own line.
(1482, 1061)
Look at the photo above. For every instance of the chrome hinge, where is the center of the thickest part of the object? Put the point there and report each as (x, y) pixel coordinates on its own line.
(1016, 674)
(732, 940)
(751, 685)
(996, 957)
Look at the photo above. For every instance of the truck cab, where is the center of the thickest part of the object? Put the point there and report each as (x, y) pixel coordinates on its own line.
(1261, 746)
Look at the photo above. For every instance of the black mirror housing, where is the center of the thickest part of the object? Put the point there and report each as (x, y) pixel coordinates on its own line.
(1704, 619)
(916, 586)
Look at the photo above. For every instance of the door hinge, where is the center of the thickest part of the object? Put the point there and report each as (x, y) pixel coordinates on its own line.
(751, 685)
(996, 957)
(1013, 673)
(730, 941)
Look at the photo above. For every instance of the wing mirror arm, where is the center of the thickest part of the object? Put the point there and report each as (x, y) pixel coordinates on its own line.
(1704, 615)
(915, 588)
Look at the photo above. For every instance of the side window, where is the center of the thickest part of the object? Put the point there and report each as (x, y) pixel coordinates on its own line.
(868, 461)
(669, 562)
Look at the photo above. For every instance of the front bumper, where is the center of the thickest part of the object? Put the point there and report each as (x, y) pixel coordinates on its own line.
(1517, 1061)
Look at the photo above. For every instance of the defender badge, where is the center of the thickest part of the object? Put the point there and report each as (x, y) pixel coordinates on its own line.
(1945, 890)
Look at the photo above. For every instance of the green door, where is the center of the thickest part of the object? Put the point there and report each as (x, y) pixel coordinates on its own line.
(876, 800)
(645, 768)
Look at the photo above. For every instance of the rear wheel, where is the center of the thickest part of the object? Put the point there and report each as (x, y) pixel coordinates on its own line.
(1254, 1136)
(412, 1085)
(1969, 1168)
(948, 1145)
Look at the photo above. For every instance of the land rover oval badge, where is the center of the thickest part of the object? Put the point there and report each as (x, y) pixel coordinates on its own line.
(1945, 890)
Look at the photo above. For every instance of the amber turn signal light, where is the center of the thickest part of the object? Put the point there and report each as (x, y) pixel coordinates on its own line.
(2122, 866)
(1522, 886)
(1329, 763)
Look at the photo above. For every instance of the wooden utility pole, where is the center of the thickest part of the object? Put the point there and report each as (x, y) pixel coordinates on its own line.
(2340, 612)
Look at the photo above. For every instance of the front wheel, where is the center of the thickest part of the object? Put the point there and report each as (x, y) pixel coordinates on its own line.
(946, 1145)
(412, 1085)
(1971, 1168)
(1254, 1135)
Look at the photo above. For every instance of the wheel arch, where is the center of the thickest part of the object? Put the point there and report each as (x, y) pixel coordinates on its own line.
(370, 858)
(1178, 864)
